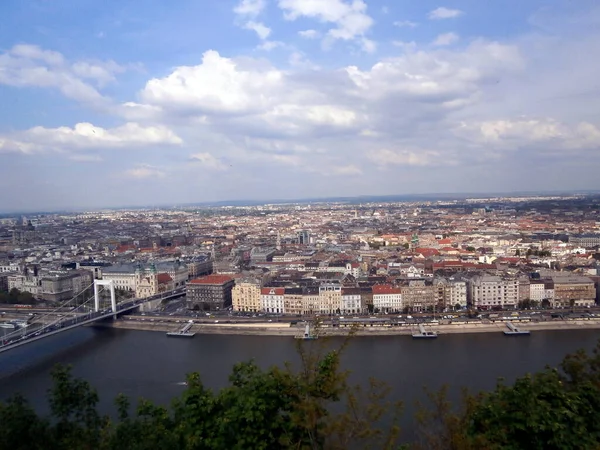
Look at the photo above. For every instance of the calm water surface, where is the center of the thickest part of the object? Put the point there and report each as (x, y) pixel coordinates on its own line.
(148, 364)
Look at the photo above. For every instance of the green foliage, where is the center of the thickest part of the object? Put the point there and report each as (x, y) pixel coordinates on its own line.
(553, 409)
(528, 304)
(17, 297)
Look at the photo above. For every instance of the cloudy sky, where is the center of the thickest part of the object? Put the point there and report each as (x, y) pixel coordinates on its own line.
(146, 102)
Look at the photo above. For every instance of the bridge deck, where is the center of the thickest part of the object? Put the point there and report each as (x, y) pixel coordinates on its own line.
(69, 324)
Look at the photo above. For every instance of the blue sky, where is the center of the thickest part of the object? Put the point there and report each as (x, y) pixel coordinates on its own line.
(152, 102)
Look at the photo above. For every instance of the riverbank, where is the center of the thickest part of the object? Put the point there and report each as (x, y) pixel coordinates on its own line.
(284, 329)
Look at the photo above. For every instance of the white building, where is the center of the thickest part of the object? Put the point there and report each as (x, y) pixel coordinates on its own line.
(537, 291)
(387, 298)
(490, 291)
(123, 276)
(351, 301)
(271, 300)
(456, 293)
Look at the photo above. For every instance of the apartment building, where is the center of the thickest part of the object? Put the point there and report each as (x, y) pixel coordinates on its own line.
(272, 300)
(245, 295)
(292, 301)
(310, 301)
(25, 283)
(450, 293)
(537, 290)
(330, 298)
(492, 291)
(209, 293)
(351, 301)
(419, 295)
(573, 290)
(387, 298)
(64, 285)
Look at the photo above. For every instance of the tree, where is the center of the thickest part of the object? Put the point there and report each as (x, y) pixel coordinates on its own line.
(26, 298)
(553, 409)
(546, 303)
(471, 248)
(13, 295)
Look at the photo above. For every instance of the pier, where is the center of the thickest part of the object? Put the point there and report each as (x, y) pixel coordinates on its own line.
(513, 330)
(184, 332)
(424, 334)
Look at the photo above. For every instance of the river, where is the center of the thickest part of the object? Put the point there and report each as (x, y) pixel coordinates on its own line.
(150, 365)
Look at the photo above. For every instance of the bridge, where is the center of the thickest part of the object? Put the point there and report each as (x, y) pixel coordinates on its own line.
(81, 315)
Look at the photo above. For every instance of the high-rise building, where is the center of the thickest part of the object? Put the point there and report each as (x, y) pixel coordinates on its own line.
(303, 237)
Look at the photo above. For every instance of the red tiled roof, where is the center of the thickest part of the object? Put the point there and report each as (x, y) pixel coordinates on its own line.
(164, 278)
(426, 251)
(272, 291)
(212, 279)
(385, 289)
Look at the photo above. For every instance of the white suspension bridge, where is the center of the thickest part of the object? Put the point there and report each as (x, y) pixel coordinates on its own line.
(57, 320)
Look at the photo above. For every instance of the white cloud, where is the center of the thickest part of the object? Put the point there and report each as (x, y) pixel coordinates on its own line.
(259, 28)
(441, 75)
(87, 136)
(209, 161)
(309, 34)
(444, 13)
(543, 133)
(30, 66)
(405, 23)
(101, 72)
(406, 46)
(368, 45)
(386, 157)
(445, 39)
(270, 45)
(217, 85)
(350, 19)
(144, 171)
(250, 8)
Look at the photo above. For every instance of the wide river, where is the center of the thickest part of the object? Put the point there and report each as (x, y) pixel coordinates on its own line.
(148, 364)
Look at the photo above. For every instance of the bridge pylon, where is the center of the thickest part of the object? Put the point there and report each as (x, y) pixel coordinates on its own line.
(113, 299)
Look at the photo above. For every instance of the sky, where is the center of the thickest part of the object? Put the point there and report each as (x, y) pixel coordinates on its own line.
(154, 102)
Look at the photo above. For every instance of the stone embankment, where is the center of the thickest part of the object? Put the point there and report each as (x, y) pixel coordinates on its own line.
(284, 329)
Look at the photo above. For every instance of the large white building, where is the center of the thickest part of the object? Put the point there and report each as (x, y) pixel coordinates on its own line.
(491, 291)
(537, 290)
(351, 301)
(271, 300)
(387, 298)
(125, 276)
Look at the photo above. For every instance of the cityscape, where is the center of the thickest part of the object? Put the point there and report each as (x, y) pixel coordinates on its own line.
(455, 265)
(299, 225)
